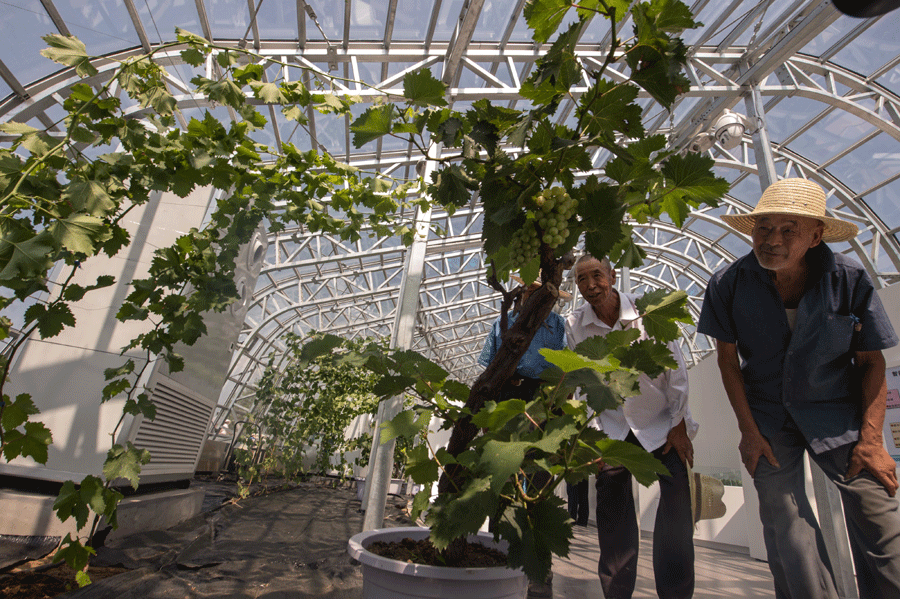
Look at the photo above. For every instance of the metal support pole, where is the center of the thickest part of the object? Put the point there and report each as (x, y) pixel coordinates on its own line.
(762, 147)
(834, 532)
(828, 501)
(625, 279)
(381, 461)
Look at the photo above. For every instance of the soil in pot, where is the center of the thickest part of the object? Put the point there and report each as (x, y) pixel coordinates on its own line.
(423, 552)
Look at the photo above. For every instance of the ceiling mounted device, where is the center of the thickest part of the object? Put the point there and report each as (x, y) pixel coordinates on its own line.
(729, 129)
(866, 9)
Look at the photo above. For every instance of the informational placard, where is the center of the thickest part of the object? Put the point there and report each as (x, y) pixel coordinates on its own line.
(892, 415)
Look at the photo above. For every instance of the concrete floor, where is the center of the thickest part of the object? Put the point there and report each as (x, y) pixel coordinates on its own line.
(720, 574)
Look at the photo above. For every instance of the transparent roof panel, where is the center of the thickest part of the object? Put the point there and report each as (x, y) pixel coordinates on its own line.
(330, 17)
(161, 21)
(869, 165)
(832, 135)
(412, 19)
(448, 16)
(368, 19)
(228, 19)
(830, 38)
(99, 24)
(884, 202)
(830, 110)
(494, 18)
(277, 19)
(865, 57)
(22, 25)
(790, 115)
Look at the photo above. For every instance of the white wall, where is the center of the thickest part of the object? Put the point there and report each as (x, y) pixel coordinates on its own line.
(64, 374)
(716, 453)
(890, 297)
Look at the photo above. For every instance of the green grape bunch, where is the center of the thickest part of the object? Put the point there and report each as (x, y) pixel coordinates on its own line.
(551, 211)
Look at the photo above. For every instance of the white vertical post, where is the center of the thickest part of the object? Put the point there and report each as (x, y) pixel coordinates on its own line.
(382, 456)
(827, 497)
(765, 162)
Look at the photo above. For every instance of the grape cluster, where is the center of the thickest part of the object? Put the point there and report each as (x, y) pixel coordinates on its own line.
(552, 208)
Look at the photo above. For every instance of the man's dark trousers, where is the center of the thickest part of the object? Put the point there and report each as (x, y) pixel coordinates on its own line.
(619, 532)
(579, 508)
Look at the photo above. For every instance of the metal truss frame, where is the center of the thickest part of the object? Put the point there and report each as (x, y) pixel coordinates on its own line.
(314, 282)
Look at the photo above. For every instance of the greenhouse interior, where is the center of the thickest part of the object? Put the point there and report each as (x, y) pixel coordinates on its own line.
(767, 91)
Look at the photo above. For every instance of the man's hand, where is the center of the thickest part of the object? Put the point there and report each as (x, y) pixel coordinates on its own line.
(869, 453)
(679, 441)
(752, 447)
(874, 458)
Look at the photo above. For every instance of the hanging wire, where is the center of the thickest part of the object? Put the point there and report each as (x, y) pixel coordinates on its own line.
(315, 19)
(332, 50)
(759, 22)
(243, 42)
(737, 19)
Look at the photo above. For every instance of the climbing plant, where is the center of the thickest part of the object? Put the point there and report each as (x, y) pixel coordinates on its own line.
(307, 407)
(63, 198)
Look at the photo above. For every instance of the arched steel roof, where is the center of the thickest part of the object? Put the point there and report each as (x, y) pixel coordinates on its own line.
(821, 91)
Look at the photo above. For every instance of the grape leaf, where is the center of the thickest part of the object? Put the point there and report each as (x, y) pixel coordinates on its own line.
(89, 197)
(33, 442)
(535, 532)
(544, 17)
(421, 88)
(643, 466)
(16, 413)
(420, 467)
(405, 424)
(125, 462)
(51, 318)
(80, 233)
(69, 51)
(660, 309)
(70, 504)
(495, 416)
(375, 122)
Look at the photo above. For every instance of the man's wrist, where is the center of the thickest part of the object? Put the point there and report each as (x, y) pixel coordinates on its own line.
(873, 440)
(749, 429)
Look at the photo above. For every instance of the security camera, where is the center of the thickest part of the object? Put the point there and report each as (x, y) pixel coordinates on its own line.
(701, 143)
(730, 128)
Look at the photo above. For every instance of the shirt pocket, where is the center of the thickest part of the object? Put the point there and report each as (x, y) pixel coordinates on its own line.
(836, 336)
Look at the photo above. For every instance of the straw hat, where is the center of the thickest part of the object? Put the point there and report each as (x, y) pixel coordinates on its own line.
(794, 197)
(706, 496)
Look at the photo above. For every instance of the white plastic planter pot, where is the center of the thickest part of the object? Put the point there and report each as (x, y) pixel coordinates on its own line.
(385, 578)
(397, 487)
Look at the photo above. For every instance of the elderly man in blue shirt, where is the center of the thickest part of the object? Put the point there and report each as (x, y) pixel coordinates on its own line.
(799, 332)
(524, 384)
(552, 335)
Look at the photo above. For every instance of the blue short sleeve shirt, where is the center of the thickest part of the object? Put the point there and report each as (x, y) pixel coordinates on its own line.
(552, 335)
(808, 373)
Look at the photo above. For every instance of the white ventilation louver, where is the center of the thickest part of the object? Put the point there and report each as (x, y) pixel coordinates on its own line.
(174, 438)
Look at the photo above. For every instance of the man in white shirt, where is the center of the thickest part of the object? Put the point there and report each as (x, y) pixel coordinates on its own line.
(659, 421)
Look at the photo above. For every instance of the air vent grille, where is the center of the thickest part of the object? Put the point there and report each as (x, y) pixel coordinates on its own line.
(175, 436)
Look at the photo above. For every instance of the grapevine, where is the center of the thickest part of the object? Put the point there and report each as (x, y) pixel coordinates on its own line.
(550, 214)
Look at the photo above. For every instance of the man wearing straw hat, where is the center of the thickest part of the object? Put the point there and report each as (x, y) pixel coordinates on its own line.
(658, 420)
(809, 329)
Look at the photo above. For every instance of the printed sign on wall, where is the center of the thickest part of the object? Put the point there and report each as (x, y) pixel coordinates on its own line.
(892, 416)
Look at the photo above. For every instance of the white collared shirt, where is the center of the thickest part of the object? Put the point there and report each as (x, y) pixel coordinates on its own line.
(663, 401)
